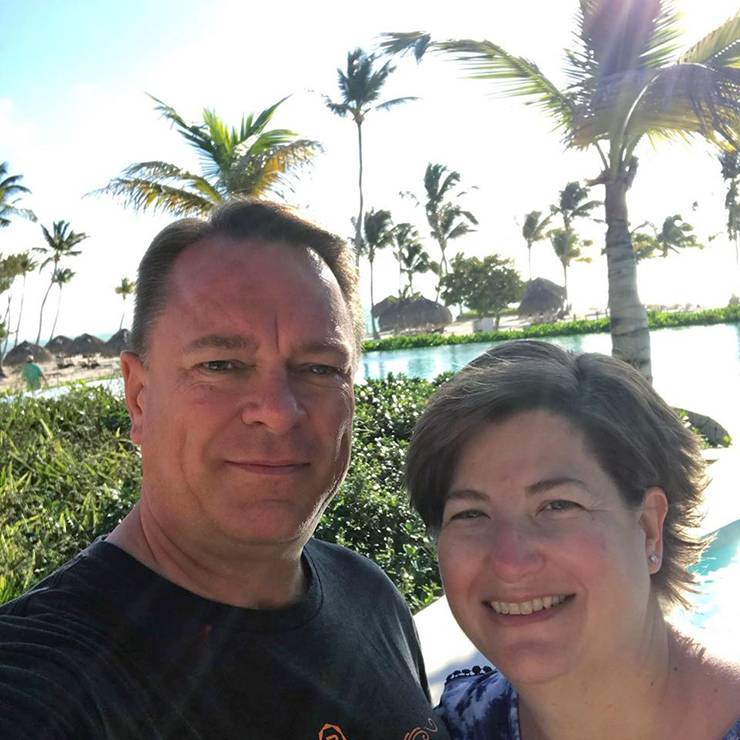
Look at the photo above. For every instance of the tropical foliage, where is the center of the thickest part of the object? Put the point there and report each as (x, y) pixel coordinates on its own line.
(377, 234)
(626, 82)
(534, 230)
(730, 163)
(568, 247)
(412, 258)
(674, 235)
(11, 192)
(360, 86)
(248, 160)
(446, 217)
(124, 289)
(60, 244)
(486, 286)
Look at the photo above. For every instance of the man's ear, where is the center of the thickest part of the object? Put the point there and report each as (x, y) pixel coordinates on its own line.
(134, 383)
(652, 517)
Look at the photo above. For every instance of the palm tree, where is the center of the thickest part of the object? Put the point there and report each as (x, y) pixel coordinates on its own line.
(60, 242)
(572, 204)
(534, 231)
(730, 163)
(567, 247)
(10, 188)
(250, 160)
(125, 289)
(447, 219)
(61, 278)
(377, 234)
(26, 264)
(359, 88)
(411, 255)
(674, 235)
(8, 272)
(625, 83)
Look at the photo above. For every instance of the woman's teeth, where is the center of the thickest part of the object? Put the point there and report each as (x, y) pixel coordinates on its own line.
(526, 607)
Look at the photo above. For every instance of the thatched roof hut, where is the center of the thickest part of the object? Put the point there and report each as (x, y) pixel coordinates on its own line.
(60, 345)
(541, 296)
(117, 343)
(87, 344)
(17, 355)
(394, 314)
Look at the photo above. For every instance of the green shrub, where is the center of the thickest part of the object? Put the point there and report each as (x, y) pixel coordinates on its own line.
(69, 474)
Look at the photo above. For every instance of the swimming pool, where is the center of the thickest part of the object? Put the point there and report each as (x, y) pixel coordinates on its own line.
(715, 617)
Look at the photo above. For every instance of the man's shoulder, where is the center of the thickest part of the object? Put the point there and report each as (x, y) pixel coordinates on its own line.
(345, 564)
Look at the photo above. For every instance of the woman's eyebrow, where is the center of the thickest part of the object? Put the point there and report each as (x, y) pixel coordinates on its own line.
(548, 484)
(469, 494)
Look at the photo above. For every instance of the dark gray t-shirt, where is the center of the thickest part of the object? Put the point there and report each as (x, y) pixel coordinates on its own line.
(106, 648)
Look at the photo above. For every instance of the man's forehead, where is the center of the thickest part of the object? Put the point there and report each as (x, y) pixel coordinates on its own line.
(237, 275)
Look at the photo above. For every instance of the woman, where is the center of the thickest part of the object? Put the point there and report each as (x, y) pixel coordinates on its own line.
(562, 492)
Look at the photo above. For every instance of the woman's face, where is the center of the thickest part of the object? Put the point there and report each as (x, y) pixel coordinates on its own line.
(544, 566)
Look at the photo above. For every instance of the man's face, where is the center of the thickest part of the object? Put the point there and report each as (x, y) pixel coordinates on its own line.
(243, 405)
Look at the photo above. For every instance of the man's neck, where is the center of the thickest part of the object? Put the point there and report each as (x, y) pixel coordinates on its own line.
(256, 578)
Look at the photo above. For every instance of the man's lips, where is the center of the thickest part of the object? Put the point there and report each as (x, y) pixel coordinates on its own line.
(270, 467)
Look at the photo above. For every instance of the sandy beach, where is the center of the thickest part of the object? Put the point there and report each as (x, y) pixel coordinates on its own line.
(79, 370)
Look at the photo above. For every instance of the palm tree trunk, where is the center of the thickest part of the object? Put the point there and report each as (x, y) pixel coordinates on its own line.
(629, 327)
(20, 312)
(43, 303)
(529, 260)
(565, 284)
(358, 225)
(56, 317)
(6, 324)
(372, 303)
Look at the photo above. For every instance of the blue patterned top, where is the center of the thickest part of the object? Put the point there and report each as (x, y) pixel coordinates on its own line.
(480, 704)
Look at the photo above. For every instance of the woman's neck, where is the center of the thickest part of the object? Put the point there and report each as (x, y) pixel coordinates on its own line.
(628, 697)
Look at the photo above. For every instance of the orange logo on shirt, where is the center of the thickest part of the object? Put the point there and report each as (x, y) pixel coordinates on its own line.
(331, 732)
(422, 733)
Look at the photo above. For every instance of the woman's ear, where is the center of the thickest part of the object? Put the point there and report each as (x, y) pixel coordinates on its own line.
(652, 517)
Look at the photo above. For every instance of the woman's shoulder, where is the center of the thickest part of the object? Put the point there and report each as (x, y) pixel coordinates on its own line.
(479, 703)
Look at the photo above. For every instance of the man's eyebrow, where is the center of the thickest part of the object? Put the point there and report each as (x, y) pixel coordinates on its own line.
(548, 484)
(221, 341)
(324, 346)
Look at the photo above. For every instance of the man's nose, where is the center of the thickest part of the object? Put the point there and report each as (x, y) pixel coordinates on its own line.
(514, 551)
(272, 402)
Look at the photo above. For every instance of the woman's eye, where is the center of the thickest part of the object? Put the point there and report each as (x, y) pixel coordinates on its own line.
(467, 514)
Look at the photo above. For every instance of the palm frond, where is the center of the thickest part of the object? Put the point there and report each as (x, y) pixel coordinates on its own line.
(517, 76)
(691, 98)
(416, 42)
(143, 195)
(721, 47)
(626, 35)
(388, 104)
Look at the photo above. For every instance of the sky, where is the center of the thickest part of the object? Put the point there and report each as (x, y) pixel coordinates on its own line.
(74, 112)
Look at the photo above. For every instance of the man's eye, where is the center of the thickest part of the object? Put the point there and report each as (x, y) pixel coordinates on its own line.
(324, 370)
(561, 505)
(220, 366)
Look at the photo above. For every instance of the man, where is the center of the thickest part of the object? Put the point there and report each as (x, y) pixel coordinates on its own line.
(32, 374)
(209, 612)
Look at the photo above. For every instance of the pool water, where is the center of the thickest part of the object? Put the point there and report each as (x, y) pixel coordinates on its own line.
(715, 617)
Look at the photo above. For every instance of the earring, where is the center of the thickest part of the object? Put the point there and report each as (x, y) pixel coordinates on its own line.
(653, 558)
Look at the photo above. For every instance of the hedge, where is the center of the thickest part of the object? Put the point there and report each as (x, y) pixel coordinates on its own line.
(656, 320)
(69, 473)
